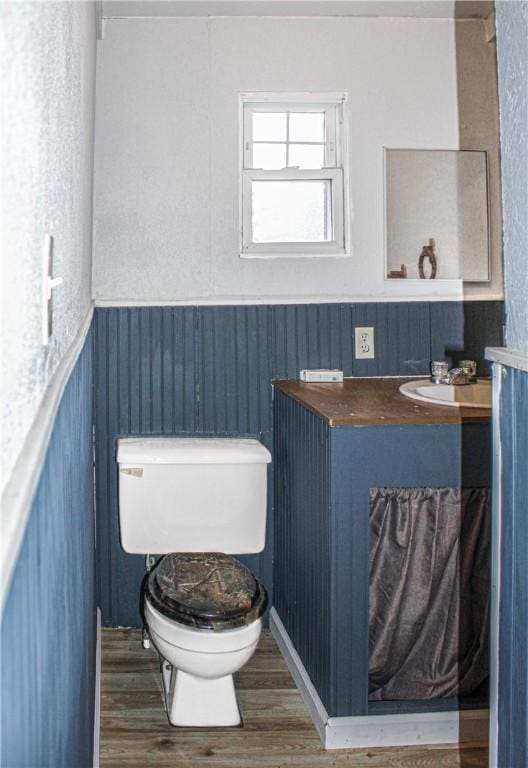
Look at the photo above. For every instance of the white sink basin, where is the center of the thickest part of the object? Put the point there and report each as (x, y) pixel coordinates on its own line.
(461, 396)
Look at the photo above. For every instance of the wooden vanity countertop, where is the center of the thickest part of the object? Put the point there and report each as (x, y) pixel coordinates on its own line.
(367, 402)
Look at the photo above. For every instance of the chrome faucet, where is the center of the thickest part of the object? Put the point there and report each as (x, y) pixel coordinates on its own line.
(465, 373)
(458, 376)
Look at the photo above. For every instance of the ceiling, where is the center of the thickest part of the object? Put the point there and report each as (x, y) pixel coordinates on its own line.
(425, 9)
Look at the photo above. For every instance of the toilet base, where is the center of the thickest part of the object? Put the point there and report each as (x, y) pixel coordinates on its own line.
(199, 702)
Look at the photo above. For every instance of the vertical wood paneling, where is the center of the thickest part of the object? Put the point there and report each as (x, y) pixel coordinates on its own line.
(458, 329)
(513, 622)
(157, 342)
(186, 370)
(303, 562)
(48, 623)
(235, 372)
(146, 341)
(322, 336)
(123, 382)
(103, 465)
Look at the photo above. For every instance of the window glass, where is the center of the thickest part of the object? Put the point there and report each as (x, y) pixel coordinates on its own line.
(290, 211)
(307, 126)
(269, 126)
(269, 156)
(306, 155)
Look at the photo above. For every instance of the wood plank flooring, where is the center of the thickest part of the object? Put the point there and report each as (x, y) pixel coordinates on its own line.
(277, 731)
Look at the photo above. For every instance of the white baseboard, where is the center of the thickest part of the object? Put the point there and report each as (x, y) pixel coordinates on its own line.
(377, 730)
(97, 693)
(309, 695)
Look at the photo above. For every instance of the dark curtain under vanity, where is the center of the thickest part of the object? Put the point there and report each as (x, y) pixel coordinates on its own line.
(429, 592)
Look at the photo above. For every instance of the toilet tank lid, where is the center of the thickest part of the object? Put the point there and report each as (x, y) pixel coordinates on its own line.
(191, 450)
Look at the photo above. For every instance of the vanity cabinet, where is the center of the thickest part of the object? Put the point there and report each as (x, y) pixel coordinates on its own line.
(333, 444)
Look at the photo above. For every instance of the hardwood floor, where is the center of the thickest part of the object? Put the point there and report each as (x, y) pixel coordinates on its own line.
(277, 731)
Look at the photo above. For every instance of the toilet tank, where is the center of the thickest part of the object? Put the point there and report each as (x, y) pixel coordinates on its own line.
(182, 494)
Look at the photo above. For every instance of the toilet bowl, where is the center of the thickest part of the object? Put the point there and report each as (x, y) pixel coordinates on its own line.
(198, 667)
(203, 614)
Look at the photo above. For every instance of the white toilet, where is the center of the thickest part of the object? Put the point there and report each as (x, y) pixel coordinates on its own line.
(196, 500)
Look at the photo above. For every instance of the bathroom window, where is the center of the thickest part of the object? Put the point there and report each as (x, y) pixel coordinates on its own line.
(293, 179)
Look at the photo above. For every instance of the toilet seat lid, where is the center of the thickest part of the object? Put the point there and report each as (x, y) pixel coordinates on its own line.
(206, 590)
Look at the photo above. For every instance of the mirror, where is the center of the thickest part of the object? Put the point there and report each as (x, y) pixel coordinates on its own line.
(436, 215)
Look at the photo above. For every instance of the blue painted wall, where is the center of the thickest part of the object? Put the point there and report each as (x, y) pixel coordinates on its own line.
(208, 370)
(513, 621)
(323, 477)
(48, 622)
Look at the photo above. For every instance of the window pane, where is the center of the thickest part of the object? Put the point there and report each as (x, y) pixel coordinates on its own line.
(290, 211)
(269, 126)
(269, 156)
(306, 155)
(307, 126)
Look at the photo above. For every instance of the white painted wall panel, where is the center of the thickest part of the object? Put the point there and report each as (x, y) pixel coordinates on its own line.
(405, 90)
(151, 222)
(47, 83)
(512, 42)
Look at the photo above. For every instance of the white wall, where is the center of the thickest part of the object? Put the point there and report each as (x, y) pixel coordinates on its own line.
(47, 93)
(166, 180)
(512, 43)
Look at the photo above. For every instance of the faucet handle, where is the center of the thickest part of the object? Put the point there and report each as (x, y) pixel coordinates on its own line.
(439, 371)
(470, 369)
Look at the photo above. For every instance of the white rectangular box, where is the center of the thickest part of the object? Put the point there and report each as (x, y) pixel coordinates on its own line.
(321, 375)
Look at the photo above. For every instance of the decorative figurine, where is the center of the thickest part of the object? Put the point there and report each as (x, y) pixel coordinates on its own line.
(428, 253)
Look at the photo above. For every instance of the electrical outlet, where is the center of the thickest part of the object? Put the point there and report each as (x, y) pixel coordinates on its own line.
(364, 346)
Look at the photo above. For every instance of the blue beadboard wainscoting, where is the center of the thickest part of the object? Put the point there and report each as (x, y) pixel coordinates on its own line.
(513, 612)
(208, 370)
(49, 618)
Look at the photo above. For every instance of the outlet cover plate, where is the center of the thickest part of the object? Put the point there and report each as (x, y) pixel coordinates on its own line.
(364, 343)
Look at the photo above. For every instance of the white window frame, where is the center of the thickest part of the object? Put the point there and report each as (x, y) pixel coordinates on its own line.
(335, 172)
